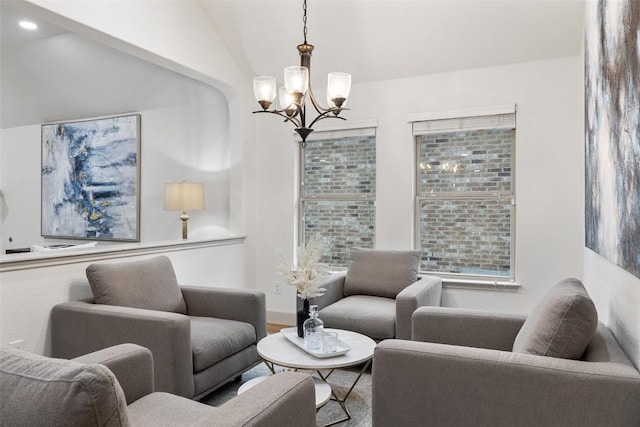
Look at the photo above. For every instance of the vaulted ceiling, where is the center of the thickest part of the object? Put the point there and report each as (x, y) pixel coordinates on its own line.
(371, 39)
(52, 74)
(383, 39)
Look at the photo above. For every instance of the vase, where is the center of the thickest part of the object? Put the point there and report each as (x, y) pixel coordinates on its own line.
(301, 316)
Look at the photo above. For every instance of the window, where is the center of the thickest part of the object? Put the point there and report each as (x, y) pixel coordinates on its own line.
(465, 201)
(337, 191)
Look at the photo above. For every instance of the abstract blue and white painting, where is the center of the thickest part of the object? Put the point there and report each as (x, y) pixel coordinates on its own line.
(90, 179)
(612, 151)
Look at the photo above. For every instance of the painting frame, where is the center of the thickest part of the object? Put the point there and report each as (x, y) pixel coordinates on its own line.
(90, 178)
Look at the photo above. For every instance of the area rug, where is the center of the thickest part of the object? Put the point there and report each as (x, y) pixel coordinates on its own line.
(359, 401)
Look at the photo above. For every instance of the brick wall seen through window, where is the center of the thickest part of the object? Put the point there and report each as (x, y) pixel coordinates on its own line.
(464, 202)
(338, 194)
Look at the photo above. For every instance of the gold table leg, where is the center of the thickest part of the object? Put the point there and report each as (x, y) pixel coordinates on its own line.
(342, 402)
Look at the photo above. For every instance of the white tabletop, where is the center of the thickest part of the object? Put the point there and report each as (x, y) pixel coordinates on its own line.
(277, 349)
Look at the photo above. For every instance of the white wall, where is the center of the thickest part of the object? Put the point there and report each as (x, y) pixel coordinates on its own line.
(177, 143)
(616, 293)
(549, 164)
(178, 36)
(27, 296)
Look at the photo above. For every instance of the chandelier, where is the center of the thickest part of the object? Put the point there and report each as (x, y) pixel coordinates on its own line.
(297, 89)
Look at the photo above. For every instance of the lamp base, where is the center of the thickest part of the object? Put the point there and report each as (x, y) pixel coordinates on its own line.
(184, 218)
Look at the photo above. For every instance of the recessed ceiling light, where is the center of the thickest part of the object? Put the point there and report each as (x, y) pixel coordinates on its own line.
(28, 25)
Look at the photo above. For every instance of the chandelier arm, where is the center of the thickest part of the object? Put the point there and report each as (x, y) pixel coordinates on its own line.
(293, 120)
(305, 50)
(302, 112)
(315, 104)
(325, 115)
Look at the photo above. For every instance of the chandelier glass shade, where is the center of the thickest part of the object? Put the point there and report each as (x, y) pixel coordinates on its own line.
(297, 90)
(264, 89)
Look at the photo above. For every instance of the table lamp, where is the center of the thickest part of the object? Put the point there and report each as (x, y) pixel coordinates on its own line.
(184, 196)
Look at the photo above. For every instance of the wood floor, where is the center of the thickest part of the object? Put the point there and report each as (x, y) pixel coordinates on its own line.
(273, 328)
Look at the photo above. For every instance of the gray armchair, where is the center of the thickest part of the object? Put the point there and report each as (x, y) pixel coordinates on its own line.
(474, 368)
(378, 293)
(200, 338)
(114, 387)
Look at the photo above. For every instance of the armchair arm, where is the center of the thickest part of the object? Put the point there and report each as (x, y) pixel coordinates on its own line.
(472, 328)
(80, 327)
(462, 386)
(243, 305)
(426, 291)
(130, 363)
(284, 399)
(333, 285)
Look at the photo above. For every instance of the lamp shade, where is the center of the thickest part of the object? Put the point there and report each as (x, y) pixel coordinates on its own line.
(184, 196)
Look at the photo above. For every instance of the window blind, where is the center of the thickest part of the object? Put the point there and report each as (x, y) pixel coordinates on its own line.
(498, 117)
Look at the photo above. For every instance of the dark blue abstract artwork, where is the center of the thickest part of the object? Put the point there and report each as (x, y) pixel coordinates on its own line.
(90, 179)
(612, 151)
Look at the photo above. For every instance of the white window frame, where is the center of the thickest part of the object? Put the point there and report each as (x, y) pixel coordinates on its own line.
(494, 117)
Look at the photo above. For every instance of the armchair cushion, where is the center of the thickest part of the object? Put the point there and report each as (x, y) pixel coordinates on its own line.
(382, 273)
(561, 325)
(369, 315)
(149, 284)
(67, 392)
(161, 409)
(213, 340)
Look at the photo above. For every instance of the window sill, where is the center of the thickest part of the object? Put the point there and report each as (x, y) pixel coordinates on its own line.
(480, 284)
(462, 283)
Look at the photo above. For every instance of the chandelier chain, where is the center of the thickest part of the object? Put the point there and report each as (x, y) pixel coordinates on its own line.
(304, 20)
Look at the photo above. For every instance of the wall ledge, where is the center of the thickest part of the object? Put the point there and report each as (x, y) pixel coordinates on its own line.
(29, 260)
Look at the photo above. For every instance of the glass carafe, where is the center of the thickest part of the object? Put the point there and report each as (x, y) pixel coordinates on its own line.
(313, 328)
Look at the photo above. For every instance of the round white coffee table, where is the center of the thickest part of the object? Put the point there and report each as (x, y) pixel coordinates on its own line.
(323, 390)
(277, 350)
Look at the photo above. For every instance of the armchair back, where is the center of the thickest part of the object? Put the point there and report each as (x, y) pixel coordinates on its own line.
(150, 284)
(381, 273)
(63, 392)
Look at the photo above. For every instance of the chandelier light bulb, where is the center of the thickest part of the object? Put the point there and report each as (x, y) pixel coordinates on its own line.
(264, 89)
(286, 101)
(296, 79)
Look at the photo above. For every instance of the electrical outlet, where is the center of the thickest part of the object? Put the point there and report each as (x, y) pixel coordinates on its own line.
(19, 344)
(277, 290)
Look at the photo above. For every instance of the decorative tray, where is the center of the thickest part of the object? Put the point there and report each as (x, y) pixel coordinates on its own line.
(292, 335)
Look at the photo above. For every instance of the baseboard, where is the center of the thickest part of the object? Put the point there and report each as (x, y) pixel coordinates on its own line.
(281, 317)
